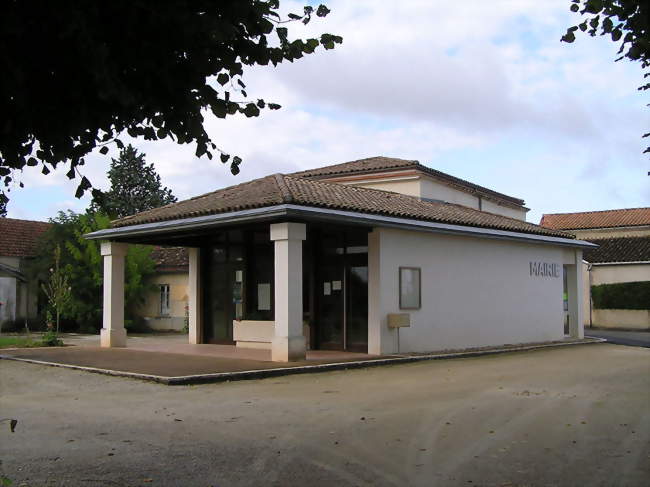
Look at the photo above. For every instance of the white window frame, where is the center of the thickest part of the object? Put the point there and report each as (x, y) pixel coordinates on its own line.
(165, 302)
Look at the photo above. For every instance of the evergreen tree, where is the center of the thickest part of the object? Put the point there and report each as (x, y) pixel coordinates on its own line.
(135, 186)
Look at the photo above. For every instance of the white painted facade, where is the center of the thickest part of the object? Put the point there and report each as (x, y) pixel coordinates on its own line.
(475, 292)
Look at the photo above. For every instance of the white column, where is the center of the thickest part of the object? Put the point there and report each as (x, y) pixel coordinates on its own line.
(194, 295)
(113, 333)
(288, 341)
(382, 294)
(575, 289)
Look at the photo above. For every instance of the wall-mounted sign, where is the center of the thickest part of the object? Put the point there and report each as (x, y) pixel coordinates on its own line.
(545, 269)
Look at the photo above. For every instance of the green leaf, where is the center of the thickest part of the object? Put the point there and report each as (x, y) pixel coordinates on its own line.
(223, 78)
(71, 173)
(322, 11)
(568, 37)
(103, 150)
(251, 110)
(32, 162)
(574, 8)
(616, 34)
(224, 158)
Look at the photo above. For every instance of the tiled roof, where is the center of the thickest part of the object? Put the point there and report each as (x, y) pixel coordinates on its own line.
(621, 249)
(380, 164)
(278, 189)
(170, 258)
(597, 219)
(19, 238)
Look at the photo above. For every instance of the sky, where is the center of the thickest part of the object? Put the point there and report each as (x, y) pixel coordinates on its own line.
(484, 91)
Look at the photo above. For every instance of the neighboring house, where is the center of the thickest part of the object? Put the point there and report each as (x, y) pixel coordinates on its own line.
(623, 255)
(18, 294)
(165, 309)
(379, 255)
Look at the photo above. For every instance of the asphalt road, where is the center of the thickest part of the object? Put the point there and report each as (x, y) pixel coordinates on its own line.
(567, 416)
(630, 338)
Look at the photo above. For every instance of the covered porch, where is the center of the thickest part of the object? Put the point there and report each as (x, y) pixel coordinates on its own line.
(281, 290)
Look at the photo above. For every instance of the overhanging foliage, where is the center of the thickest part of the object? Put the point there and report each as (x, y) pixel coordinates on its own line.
(77, 75)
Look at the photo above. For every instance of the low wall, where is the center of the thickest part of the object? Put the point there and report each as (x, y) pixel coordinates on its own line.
(166, 323)
(258, 334)
(621, 318)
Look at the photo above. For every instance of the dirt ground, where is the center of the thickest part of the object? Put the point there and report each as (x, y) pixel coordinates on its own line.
(568, 416)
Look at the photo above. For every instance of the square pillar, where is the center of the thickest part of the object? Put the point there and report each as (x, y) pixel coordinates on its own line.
(575, 284)
(195, 292)
(288, 342)
(113, 333)
(382, 296)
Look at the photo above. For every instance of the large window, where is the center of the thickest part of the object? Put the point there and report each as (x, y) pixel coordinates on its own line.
(409, 288)
(165, 308)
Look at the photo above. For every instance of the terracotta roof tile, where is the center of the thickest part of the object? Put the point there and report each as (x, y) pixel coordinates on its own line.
(597, 219)
(621, 249)
(278, 189)
(19, 238)
(380, 163)
(170, 259)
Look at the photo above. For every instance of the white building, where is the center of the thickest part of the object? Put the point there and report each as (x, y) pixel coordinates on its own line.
(343, 257)
(622, 256)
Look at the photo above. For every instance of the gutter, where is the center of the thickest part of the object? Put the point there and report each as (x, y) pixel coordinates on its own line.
(638, 262)
(325, 214)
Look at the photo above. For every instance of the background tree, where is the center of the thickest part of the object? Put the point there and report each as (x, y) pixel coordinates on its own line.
(626, 21)
(57, 289)
(135, 186)
(78, 74)
(81, 260)
(3, 207)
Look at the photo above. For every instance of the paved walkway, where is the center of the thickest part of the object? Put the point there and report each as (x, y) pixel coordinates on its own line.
(178, 344)
(170, 360)
(621, 337)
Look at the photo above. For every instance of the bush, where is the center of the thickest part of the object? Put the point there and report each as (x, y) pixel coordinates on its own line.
(51, 339)
(624, 295)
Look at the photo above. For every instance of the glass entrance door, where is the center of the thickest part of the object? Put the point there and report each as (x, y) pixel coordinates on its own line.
(341, 293)
(356, 309)
(223, 293)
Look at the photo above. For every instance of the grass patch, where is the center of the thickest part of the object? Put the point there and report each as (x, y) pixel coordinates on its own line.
(18, 342)
(24, 342)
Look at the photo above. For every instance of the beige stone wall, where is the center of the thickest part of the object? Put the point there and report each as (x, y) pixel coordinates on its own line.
(179, 295)
(630, 319)
(609, 274)
(430, 188)
(410, 186)
(425, 187)
(493, 207)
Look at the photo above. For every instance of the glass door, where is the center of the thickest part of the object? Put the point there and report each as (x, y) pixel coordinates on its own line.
(330, 292)
(341, 293)
(217, 321)
(356, 309)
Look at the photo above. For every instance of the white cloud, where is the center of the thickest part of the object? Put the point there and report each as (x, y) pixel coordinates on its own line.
(484, 90)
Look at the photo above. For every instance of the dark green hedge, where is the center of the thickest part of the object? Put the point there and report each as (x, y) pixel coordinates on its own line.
(624, 295)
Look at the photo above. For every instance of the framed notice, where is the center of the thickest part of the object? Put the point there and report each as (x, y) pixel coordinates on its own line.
(409, 288)
(264, 296)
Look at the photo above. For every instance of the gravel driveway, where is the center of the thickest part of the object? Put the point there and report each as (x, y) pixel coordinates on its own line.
(568, 416)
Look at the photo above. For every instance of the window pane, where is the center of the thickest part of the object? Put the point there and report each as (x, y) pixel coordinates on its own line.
(409, 288)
